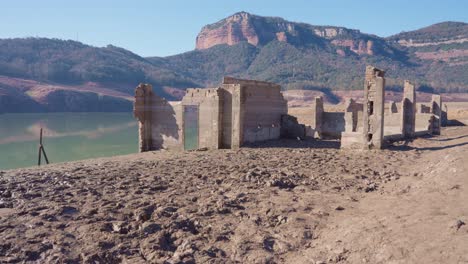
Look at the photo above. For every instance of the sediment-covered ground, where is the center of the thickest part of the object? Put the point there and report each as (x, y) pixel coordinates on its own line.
(280, 202)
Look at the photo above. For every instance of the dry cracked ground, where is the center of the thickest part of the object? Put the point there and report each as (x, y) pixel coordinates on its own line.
(279, 202)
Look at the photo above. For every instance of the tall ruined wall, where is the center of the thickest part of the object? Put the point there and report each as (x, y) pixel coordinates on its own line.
(374, 103)
(373, 114)
(209, 103)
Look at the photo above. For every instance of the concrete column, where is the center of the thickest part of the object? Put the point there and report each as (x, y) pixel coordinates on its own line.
(408, 110)
(436, 110)
(374, 105)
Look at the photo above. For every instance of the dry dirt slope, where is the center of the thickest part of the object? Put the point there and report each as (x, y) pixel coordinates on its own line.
(287, 202)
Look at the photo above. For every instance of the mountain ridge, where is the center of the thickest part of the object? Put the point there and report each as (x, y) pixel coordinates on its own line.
(295, 55)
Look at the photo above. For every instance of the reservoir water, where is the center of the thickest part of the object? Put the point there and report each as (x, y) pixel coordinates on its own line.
(66, 137)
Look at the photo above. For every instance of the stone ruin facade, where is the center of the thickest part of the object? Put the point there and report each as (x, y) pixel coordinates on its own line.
(236, 113)
(239, 112)
(374, 105)
(372, 133)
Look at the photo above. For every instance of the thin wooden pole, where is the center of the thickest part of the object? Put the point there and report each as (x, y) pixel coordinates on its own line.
(39, 157)
(45, 155)
(41, 151)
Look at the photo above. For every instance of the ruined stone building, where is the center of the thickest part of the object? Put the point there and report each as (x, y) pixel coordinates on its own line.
(239, 112)
(371, 124)
(231, 115)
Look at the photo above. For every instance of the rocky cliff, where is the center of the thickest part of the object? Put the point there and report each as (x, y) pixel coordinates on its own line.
(258, 31)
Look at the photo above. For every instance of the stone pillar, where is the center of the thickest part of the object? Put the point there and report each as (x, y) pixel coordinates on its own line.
(142, 111)
(237, 117)
(444, 117)
(436, 110)
(408, 110)
(318, 102)
(374, 105)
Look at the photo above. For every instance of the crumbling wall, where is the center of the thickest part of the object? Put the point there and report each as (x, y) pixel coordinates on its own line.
(159, 120)
(311, 117)
(291, 128)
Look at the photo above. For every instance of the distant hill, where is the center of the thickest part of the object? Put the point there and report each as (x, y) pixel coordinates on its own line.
(38, 74)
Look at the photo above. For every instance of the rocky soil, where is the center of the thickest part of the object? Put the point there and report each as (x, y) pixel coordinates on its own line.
(278, 202)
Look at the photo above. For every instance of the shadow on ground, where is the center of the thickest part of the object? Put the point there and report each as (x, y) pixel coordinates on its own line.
(294, 143)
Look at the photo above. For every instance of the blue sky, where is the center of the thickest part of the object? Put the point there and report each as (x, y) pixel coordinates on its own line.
(162, 28)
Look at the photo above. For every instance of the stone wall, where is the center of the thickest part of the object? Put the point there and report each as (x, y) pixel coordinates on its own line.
(261, 107)
(209, 103)
(159, 120)
(236, 113)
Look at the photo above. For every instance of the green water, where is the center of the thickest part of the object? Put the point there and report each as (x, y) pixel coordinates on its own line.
(67, 137)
